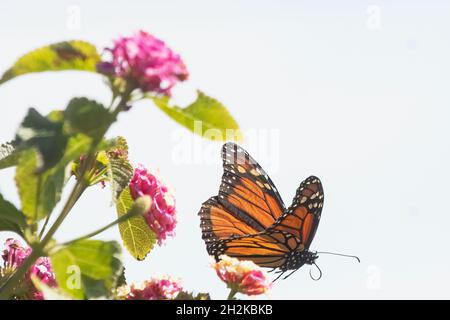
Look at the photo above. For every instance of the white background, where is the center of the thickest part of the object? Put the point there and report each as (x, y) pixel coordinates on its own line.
(356, 93)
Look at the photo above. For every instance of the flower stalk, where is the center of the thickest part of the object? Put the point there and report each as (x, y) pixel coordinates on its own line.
(145, 205)
(232, 294)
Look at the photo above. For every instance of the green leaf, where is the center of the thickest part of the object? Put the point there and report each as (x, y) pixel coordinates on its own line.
(68, 55)
(120, 172)
(11, 219)
(78, 144)
(28, 183)
(40, 192)
(86, 116)
(119, 145)
(87, 268)
(206, 117)
(136, 235)
(37, 131)
(119, 169)
(9, 155)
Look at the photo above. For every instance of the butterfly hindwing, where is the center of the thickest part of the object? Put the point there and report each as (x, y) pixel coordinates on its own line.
(266, 249)
(303, 216)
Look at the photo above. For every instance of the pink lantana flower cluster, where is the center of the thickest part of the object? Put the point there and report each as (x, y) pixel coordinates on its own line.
(162, 288)
(145, 62)
(242, 276)
(14, 255)
(161, 217)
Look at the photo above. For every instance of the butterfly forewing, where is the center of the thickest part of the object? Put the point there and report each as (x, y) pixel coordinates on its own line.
(219, 223)
(247, 189)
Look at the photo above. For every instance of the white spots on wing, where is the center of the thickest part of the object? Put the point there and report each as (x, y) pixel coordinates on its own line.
(303, 200)
(260, 184)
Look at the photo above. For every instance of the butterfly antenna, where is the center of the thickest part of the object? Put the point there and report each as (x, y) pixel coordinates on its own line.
(340, 255)
(320, 273)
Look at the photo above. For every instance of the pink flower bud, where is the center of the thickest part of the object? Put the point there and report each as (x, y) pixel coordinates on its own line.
(161, 217)
(15, 254)
(243, 276)
(145, 62)
(163, 288)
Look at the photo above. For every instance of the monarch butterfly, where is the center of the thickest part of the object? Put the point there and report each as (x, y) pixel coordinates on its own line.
(249, 221)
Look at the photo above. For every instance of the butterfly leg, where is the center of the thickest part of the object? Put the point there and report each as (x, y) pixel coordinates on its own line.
(272, 270)
(280, 274)
(290, 274)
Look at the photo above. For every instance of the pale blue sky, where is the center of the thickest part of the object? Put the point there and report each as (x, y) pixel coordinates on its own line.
(361, 103)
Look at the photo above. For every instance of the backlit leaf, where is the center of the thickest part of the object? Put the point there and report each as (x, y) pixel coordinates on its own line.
(9, 155)
(11, 219)
(136, 235)
(206, 117)
(87, 268)
(67, 55)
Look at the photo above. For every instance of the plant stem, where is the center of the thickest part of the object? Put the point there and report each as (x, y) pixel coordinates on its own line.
(76, 194)
(121, 219)
(77, 191)
(232, 294)
(47, 219)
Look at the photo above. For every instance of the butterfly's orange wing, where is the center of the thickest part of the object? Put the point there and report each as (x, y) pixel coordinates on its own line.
(247, 190)
(248, 220)
(219, 223)
(266, 249)
(248, 201)
(302, 218)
